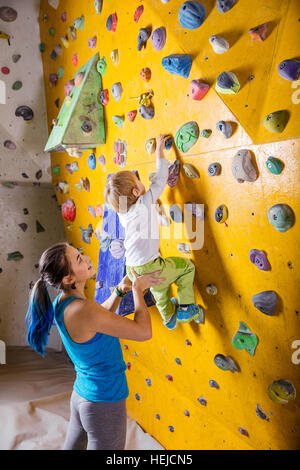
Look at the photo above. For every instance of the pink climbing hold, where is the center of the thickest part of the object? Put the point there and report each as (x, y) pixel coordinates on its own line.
(5, 70)
(169, 377)
(74, 59)
(199, 89)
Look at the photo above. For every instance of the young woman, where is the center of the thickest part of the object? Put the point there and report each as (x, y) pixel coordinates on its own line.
(90, 333)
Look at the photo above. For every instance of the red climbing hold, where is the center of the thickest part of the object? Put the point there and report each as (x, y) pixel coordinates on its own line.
(138, 13)
(5, 70)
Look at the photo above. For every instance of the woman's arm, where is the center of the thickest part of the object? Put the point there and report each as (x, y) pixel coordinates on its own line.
(114, 300)
(98, 319)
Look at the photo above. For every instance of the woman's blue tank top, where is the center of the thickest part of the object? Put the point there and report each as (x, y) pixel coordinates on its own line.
(99, 364)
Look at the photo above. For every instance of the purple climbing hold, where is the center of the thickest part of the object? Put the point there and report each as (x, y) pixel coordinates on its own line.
(178, 361)
(39, 174)
(148, 382)
(265, 301)
(157, 416)
(188, 343)
(25, 112)
(186, 413)
(171, 428)
(101, 159)
(174, 171)
(159, 38)
(202, 401)
(143, 37)
(8, 144)
(137, 396)
(243, 431)
(224, 5)
(23, 226)
(289, 69)
(8, 14)
(92, 42)
(259, 258)
(169, 377)
(213, 384)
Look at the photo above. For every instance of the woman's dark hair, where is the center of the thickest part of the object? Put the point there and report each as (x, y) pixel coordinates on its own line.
(53, 266)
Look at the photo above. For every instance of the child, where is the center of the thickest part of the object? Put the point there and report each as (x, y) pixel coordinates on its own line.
(138, 215)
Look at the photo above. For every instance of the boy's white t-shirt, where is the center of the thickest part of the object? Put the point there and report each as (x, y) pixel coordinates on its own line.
(141, 223)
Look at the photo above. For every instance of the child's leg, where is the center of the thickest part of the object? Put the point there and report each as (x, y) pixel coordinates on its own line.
(184, 282)
(163, 302)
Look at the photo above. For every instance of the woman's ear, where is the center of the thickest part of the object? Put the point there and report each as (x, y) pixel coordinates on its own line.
(135, 192)
(67, 280)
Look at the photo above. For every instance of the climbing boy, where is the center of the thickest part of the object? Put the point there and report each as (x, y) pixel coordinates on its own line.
(137, 211)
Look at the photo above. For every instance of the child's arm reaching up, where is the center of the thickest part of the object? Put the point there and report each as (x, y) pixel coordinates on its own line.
(161, 177)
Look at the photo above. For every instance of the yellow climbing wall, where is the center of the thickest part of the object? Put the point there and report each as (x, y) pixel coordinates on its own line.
(169, 409)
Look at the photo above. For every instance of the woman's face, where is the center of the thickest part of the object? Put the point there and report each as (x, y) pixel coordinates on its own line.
(80, 264)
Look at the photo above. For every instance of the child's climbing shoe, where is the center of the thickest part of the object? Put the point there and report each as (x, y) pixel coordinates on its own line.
(187, 314)
(200, 318)
(172, 323)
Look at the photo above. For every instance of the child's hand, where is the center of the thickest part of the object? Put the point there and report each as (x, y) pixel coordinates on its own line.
(160, 144)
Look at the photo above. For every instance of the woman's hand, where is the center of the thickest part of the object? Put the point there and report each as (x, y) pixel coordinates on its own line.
(145, 281)
(125, 285)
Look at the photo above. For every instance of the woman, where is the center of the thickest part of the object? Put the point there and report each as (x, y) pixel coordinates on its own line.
(90, 333)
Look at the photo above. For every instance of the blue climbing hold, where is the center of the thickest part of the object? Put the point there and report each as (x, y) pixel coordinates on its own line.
(179, 64)
(191, 15)
(92, 161)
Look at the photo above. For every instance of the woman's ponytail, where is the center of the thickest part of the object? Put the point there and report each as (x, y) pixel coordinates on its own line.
(39, 317)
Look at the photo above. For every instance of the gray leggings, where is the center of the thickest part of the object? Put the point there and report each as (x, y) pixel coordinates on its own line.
(96, 425)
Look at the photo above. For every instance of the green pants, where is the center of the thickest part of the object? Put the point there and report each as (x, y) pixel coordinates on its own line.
(174, 269)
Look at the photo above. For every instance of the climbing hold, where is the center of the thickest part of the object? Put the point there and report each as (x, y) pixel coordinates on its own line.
(174, 171)
(274, 165)
(25, 112)
(8, 144)
(227, 83)
(281, 217)
(105, 240)
(187, 136)
(190, 171)
(92, 42)
(5, 36)
(259, 33)
(64, 40)
(225, 128)
(8, 14)
(25, 175)
(145, 74)
(71, 167)
(120, 149)
(78, 78)
(72, 33)
(54, 3)
(137, 396)
(78, 23)
(99, 210)
(202, 401)
(57, 50)
(289, 69)
(179, 64)
(171, 428)
(143, 37)
(56, 102)
(23, 226)
(225, 363)
(157, 416)
(219, 44)
(101, 159)
(98, 6)
(176, 213)
(184, 248)
(214, 169)
(56, 170)
(14, 256)
(86, 128)
(63, 187)
(102, 66)
(86, 233)
(138, 13)
(74, 59)
(188, 343)
(116, 91)
(118, 120)
(259, 259)
(114, 55)
(104, 97)
(5, 70)
(117, 249)
(221, 214)
(150, 145)
(211, 289)
(39, 174)
(199, 89)
(276, 122)
(132, 115)
(260, 413)
(69, 87)
(16, 58)
(265, 301)
(197, 210)
(148, 382)
(162, 218)
(68, 210)
(213, 384)
(186, 413)
(53, 55)
(168, 143)
(74, 152)
(111, 23)
(243, 431)
(158, 38)
(191, 15)
(60, 72)
(147, 112)
(91, 161)
(206, 133)
(224, 5)
(245, 339)
(63, 17)
(25, 211)
(242, 168)
(85, 184)
(169, 377)
(282, 391)
(178, 361)
(51, 31)
(39, 228)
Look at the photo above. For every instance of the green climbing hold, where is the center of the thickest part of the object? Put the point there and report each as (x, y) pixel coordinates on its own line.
(56, 170)
(60, 72)
(39, 227)
(274, 165)
(17, 85)
(42, 47)
(206, 133)
(118, 120)
(102, 66)
(276, 122)
(187, 136)
(14, 256)
(245, 339)
(282, 391)
(51, 31)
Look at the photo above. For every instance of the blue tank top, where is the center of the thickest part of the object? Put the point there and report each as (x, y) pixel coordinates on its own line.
(99, 364)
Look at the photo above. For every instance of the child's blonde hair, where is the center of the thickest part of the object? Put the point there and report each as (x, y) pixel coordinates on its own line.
(119, 185)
